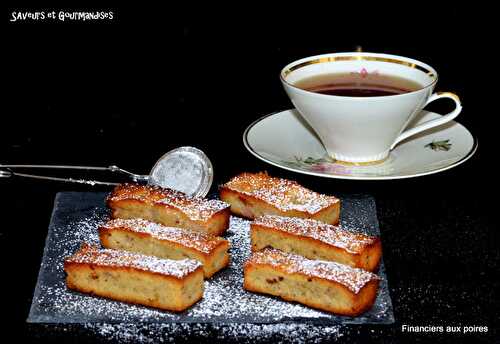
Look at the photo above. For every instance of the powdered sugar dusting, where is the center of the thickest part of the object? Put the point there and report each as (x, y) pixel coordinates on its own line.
(329, 234)
(353, 278)
(226, 307)
(89, 254)
(281, 193)
(240, 333)
(200, 241)
(196, 208)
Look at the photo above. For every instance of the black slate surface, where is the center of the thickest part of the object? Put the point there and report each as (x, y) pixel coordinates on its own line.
(75, 219)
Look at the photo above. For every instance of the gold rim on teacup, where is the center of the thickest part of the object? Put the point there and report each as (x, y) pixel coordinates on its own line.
(358, 56)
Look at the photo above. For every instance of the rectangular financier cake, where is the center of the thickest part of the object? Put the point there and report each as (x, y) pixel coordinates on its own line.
(169, 207)
(142, 236)
(316, 240)
(166, 284)
(328, 286)
(255, 194)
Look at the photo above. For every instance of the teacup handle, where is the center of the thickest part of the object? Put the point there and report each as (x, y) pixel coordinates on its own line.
(435, 122)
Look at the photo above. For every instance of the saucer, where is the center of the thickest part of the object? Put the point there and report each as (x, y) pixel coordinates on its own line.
(285, 140)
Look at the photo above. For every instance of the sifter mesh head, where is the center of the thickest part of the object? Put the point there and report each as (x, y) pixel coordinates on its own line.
(185, 169)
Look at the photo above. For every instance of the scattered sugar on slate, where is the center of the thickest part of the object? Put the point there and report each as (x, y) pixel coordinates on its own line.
(225, 302)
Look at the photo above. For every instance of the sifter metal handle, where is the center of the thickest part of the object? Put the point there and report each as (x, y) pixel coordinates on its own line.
(8, 172)
(186, 169)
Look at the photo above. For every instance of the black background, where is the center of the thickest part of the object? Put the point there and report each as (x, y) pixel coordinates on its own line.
(125, 91)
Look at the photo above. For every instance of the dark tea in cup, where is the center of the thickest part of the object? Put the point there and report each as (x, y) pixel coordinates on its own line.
(356, 84)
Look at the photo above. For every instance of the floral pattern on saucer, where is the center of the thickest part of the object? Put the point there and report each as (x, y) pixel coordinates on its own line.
(442, 145)
(300, 150)
(329, 165)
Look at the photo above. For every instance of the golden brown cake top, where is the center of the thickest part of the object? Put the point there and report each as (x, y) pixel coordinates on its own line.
(352, 278)
(88, 254)
(282, 193)
(196, 208)
(328, 234)
(202, 242)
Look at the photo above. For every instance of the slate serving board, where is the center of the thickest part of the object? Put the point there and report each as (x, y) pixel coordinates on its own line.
(75, 219)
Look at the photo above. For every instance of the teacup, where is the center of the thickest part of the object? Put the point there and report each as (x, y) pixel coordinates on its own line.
(364, 129)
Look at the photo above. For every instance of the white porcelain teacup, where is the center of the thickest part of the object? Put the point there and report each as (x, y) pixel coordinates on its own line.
(364, 129)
